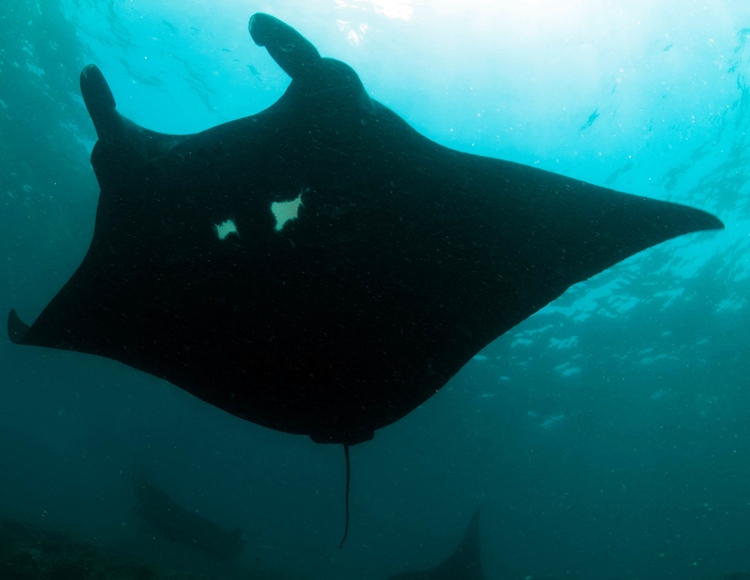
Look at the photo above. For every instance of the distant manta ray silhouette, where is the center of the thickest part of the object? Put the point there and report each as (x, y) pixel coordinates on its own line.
(164, 515)
(320, 267)
(465, 563)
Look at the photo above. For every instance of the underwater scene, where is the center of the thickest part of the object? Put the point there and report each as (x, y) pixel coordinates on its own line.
(375, 289)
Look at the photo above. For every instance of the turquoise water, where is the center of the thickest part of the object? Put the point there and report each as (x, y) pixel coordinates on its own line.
(607, 436)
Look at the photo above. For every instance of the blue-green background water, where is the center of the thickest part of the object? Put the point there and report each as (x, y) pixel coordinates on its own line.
(607, 436)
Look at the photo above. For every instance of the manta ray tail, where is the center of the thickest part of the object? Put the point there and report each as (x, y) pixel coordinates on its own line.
(348, 482)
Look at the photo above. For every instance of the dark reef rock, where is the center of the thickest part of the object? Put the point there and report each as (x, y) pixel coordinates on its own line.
(28, 552)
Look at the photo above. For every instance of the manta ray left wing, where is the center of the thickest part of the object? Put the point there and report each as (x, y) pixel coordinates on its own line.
(320, 267)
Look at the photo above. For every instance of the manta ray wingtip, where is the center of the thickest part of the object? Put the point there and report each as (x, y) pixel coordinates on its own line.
(715, 223)
(703, 221)
(17, 328)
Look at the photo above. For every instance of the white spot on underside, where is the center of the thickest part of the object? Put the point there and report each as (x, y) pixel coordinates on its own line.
(284, 211)
(226, 228)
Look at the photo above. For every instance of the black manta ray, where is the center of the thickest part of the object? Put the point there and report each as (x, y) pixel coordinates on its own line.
(320, 267)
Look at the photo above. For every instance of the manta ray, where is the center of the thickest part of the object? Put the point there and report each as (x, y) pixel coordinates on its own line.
(165, 516)
(465, 563)
(320, 267)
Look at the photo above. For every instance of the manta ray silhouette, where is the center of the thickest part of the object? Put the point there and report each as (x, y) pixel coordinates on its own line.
(465, 563)
(320, 267)
(165, 516)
